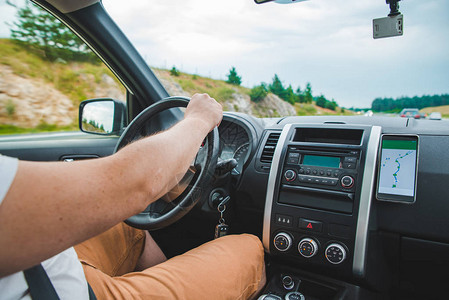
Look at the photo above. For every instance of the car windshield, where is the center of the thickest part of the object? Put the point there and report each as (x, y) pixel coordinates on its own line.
(318, 56)
(315, 57)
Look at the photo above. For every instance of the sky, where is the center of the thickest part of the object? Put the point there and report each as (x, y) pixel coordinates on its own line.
(325, 42)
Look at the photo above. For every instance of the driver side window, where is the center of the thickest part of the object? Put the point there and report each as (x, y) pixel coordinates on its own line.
(45, 72)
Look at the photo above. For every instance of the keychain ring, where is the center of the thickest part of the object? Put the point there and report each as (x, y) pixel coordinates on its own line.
(221, 210)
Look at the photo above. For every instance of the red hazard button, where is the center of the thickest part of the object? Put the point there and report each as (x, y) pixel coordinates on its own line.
(310, 225)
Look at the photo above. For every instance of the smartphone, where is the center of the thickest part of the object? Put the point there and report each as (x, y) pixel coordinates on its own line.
(398, 169)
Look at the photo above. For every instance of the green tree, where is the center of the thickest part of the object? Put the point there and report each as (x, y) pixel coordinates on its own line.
(300, 95)
(321, 101)
(233, 77)
(289, 95)
(38, 29)
(276, 86)
(332, 105)
(308, 98)
(258, 93)
(174, 72)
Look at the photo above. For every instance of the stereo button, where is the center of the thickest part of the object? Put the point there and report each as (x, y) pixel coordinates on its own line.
(350, 160)
(293, 160)
(349, 165)
(347, 181)
(290, 175)
(293, 154)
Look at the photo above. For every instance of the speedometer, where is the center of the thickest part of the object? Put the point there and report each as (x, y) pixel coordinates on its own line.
(240, 155)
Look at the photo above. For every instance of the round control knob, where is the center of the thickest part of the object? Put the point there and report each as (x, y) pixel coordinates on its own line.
(347, 181)
(294, 296)
(283, 241)
(335, 253)
(287, 282)
(307, 247)
(290, 175)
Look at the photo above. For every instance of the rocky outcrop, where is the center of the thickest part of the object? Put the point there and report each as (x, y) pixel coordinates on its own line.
(27, 102)
(273, 106)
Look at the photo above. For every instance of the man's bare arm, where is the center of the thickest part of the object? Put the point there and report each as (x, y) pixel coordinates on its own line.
(51, 206)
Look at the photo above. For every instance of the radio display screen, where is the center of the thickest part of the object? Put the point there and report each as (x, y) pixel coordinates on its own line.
(397, 172)
(321, 161)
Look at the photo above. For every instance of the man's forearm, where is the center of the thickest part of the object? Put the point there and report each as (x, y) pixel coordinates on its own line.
(52, 206)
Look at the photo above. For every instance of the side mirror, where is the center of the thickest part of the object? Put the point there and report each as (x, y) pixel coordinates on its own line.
(103, 116)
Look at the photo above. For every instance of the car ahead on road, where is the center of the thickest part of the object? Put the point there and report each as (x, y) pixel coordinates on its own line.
(347, 207)
(411, 113)
(435, 116)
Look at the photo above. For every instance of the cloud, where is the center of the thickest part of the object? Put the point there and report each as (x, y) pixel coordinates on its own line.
(325, 42)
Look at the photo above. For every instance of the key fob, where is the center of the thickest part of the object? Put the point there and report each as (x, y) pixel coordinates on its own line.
(221, 230)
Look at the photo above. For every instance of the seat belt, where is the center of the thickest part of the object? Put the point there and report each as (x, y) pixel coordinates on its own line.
(39, 284)
(41, 287)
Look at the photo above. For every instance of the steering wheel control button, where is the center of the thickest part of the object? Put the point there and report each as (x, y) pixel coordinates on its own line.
(310, 225)
(347, 182)
(287, 282)
(284, 220)
(295, 296)
(283, 241)
(290, 175)
(307, 247)
(335, 253)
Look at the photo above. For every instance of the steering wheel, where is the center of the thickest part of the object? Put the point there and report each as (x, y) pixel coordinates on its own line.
(181, 199)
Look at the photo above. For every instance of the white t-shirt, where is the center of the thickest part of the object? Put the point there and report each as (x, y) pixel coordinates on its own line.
(64, 269)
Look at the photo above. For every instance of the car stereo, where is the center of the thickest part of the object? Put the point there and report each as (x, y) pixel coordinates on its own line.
(326, 168)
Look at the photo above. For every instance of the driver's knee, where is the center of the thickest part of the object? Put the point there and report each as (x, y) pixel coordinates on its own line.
(114, 252)
(231, 267)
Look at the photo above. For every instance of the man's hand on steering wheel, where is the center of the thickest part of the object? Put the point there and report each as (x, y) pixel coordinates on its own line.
(206, 109)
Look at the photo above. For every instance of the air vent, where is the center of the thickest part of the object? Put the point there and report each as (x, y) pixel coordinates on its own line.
(270, 146)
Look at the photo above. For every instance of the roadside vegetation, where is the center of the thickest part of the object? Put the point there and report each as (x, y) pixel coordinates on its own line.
(45, 51)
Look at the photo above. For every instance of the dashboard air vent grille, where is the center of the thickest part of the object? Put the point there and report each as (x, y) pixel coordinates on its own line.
(270, 146)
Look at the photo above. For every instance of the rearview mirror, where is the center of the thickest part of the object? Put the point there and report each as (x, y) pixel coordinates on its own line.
(102, 116)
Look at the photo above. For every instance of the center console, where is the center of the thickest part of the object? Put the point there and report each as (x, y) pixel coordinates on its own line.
(318, 197)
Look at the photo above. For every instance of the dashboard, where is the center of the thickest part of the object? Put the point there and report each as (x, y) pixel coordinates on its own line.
(358, 199)
(348, 207)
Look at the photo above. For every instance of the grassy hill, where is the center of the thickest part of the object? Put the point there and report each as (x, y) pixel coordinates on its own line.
(443, 110)
(33, 88)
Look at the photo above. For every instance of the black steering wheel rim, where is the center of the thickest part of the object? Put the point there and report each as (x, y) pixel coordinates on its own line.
(147, 220)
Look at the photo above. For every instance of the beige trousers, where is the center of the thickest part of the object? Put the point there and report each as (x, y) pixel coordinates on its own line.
(230, 267)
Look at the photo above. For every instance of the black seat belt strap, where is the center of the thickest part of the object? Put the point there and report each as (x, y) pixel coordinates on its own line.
(39, 284)
(41, 287)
